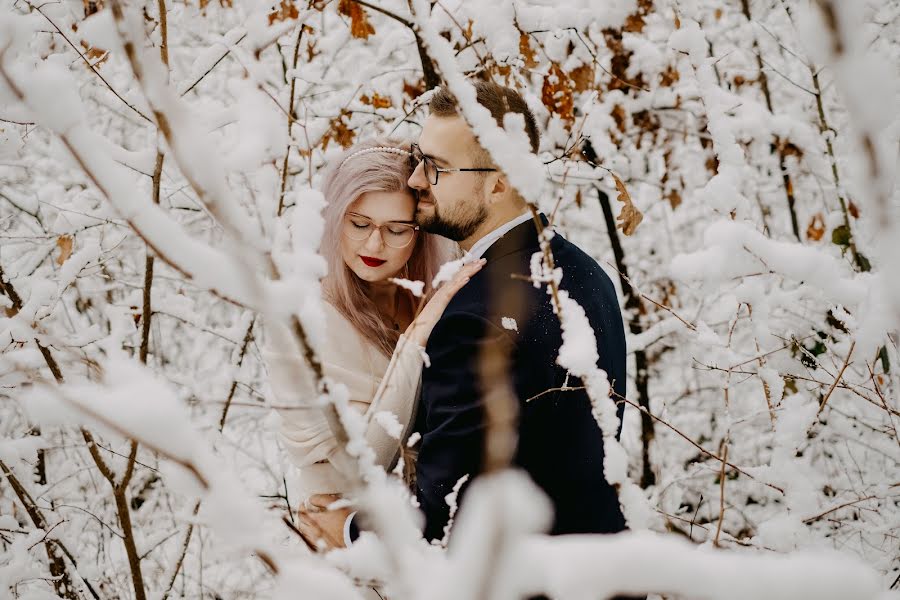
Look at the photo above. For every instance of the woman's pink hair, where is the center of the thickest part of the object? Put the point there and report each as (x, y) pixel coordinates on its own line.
(343, 183)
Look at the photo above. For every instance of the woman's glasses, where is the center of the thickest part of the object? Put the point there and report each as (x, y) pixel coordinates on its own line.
(396, 235)
(432, 171)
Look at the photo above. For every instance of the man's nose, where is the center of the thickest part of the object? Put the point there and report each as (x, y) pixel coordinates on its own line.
(417, 180)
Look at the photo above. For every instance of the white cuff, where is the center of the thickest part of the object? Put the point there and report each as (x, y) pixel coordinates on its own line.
(347, 540)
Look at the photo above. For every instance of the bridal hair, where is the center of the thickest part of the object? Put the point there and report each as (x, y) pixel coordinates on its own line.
(389, 149)
(377, 165)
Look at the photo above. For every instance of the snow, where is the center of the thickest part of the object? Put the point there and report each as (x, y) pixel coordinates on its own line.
(809, 510)
(447, 271)
(389, 422)
(416, 287)
(509, 323)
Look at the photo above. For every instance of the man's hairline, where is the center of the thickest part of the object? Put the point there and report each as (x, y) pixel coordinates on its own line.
(479, 152)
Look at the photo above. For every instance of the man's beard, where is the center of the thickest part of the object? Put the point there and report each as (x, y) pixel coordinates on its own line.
(455, 229)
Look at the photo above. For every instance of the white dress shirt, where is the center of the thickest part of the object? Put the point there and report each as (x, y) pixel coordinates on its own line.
(482, 245)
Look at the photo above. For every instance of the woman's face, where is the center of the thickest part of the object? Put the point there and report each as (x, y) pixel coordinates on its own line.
(369, 250)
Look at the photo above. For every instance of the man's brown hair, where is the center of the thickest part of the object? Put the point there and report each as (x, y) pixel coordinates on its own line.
(498, 99)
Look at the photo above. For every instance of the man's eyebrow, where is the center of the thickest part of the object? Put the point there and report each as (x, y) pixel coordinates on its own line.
(436, 158)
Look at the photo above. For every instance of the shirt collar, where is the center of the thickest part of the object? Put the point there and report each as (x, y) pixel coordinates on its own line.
(482, 245)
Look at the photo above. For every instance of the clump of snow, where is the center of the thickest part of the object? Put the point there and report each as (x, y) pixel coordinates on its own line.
(509, 323)
(416, 287)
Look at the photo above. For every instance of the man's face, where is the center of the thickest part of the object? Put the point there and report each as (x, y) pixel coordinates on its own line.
(456, 206)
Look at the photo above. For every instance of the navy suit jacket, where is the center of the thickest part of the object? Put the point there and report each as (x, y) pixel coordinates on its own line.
(559, 443)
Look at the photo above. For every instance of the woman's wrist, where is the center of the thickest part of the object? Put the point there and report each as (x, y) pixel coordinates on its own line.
(418, 333)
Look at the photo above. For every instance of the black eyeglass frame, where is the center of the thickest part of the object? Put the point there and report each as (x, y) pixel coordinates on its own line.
(417, 156)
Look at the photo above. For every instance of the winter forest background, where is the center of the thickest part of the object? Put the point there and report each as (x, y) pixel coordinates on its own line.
(156, 165)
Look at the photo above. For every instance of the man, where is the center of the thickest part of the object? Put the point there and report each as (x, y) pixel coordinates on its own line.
(499, 337)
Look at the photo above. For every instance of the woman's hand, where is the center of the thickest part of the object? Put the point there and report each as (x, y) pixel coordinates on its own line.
(421, 327)
(320, 526)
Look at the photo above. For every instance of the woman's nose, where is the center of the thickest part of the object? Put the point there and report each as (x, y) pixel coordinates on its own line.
(375, 241)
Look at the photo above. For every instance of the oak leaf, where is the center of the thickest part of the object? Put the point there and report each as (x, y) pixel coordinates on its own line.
(630, 217)
(359, 21)
(556, 93)
(339, 131)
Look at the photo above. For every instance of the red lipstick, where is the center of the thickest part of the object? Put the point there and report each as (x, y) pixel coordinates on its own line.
(372, 262)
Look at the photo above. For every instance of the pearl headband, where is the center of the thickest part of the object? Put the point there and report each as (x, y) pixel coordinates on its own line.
(377, 149)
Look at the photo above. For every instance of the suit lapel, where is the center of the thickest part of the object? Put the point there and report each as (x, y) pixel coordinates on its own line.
(522, 237)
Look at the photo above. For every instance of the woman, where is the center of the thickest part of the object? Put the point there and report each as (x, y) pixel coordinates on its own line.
(372, 329)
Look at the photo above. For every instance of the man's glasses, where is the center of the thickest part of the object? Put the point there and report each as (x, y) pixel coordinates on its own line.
(396, 235)
(432, 171)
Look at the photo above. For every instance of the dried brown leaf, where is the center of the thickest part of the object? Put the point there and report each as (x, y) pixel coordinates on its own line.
(619, 116)
(634, 23)
(674, 199)
(853, 209)
(583, 77)
(788, 148)
(359, 21)
(340, 131)
(376, 101)
(64, 243)
(311, 50)
(556, 93)
(285, 11)
(630, 217)
(669, 76)
(94, 53)
(527, 51)
(816, 228)
(414, 90)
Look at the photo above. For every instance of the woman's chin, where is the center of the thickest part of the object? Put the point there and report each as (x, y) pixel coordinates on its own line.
(376, 275)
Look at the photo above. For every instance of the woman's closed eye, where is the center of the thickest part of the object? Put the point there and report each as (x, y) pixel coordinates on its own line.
(360, 224)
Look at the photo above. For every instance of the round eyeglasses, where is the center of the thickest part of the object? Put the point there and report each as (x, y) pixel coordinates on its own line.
(432, 171)
(359, 227)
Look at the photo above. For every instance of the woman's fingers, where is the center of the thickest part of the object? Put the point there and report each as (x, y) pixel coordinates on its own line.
(323, 501)
(465, 273)
(434, 308)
